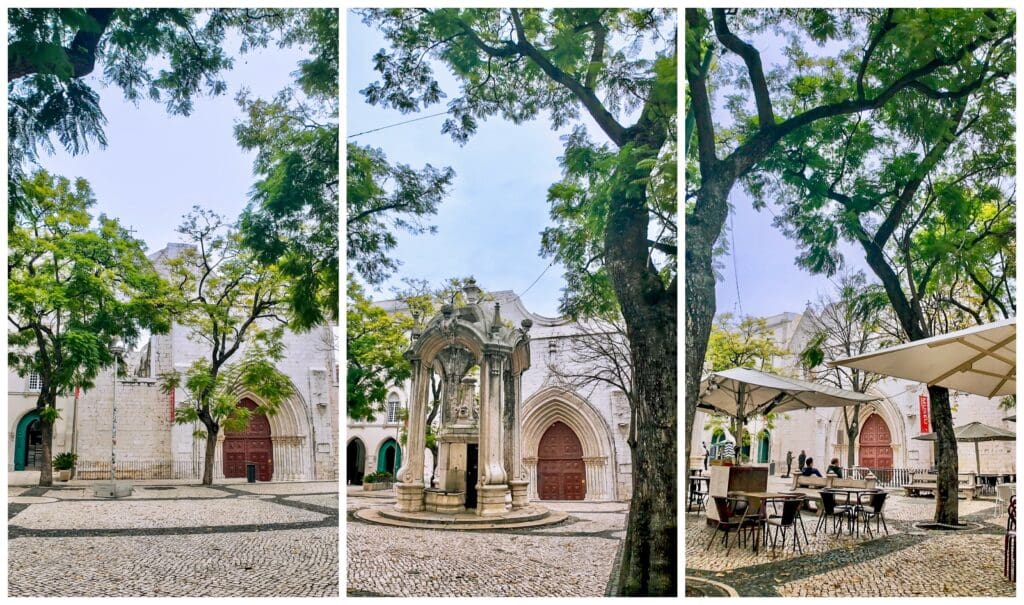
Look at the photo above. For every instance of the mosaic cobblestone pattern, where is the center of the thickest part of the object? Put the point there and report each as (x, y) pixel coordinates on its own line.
(907, 562)
(240, 544)
(571, 559)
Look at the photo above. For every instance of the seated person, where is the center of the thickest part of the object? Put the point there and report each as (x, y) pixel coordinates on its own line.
(834, 468)
(809, 470)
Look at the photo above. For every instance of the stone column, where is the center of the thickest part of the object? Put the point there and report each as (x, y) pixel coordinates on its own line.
(531, 476)
(218, 457)
(518, 481)
(493, 488)
(596, 484)
(409, 488)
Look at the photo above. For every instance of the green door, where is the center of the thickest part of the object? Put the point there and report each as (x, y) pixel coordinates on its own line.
(762, 448)
(21, 440)
(389, 457)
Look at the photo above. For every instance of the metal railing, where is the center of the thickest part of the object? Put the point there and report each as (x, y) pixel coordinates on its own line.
(885, 477)
(139, 469)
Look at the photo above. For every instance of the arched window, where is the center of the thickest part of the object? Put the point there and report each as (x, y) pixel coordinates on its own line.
(392, 408)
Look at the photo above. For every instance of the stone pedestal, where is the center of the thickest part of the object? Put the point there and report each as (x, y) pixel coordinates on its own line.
(113, 489)
(490, 500)
(440, 501)
(409, 497)
(519, 498)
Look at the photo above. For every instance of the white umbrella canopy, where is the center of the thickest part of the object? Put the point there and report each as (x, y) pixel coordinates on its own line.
(742, 392)
(981, 360)
(975, 432)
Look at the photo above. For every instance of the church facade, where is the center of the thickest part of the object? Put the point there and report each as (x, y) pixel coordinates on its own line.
(574, 442)
(298, 443)
(887, 427)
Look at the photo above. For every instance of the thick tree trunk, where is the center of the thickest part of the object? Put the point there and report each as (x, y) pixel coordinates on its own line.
(211, 451)
(946, 503)
(650, 553)
(852, 429)
(703, 227)
(46, 464)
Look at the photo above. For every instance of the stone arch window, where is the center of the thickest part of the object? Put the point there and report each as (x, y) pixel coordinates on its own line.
(393, 406)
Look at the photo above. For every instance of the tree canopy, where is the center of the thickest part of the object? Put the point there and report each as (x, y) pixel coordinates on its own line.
(75, 286)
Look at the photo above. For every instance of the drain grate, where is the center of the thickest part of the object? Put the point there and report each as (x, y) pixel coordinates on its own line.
(158, 488)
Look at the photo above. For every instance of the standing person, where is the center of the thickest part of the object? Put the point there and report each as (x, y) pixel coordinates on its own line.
(706, 454)
(789, 463)
(802, 460)
(808, 470)
(834, 468)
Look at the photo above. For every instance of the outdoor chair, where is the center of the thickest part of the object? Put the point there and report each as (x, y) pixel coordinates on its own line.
(799, 517)
(782, 523)
(1010, 542)
(698, 496)
(829, 508)
(730, 521)
(872, 509)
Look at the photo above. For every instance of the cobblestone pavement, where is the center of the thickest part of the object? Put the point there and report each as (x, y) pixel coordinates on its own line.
(572, 558)
(907, 562)
(238, 544)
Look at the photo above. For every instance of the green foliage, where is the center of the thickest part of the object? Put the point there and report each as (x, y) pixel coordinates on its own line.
(375, 342)
(226, 300)
(64, 461)
(292, 217)
(749, 343)
(75, 285)
(379, 477)
(383, 199)
(626, 58)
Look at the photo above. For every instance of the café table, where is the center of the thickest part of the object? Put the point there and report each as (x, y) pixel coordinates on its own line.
(852, 491)
(756, 501)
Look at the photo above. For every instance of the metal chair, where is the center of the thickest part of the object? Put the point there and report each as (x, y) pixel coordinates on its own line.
(1010, 542)
(697, 495)
(873, 509)
(829, 508)
(782, 523)
(730, 521)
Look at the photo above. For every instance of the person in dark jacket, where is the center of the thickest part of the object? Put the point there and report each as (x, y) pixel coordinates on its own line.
(834, 468)
(809, 470)
(801, 459)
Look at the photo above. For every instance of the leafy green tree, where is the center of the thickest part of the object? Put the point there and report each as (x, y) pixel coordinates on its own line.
(848, 324)
(292, 217)
(747, 343)
(383, 199)
(227, 301)
(861, 132)
(165, 55)
(75, 285)
(375, 341)
(613, 65)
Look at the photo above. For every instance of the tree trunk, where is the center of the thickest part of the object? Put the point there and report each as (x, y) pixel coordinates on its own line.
(946, 504)
(46, 464)
(650, 552)
(211, 451)
(852, 429)
(703, 226)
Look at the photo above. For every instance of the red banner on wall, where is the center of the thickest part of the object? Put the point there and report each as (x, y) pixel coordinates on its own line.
(922, 402)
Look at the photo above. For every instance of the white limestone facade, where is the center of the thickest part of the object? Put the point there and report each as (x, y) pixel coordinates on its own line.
(822, 435)
(598, 416)
(304, 432)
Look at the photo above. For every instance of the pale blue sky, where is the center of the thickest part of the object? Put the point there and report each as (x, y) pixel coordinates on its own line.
(489, 225)
(157, 166)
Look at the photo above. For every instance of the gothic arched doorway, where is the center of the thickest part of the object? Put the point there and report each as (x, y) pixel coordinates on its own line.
(28, 443)
(355, 460)
(875, 443)
(251, 446)
(389, 457)
(560, 471)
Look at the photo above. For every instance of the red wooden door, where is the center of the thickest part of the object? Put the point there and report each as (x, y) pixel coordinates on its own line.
(251, 446)
(875, 443)
(561, 474)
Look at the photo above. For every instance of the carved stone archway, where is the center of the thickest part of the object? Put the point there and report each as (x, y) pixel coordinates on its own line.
(550, 405)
